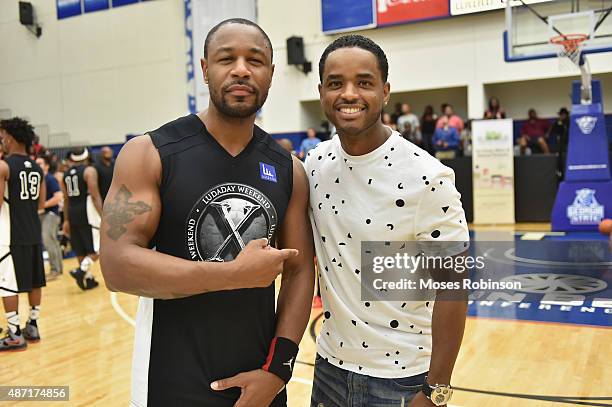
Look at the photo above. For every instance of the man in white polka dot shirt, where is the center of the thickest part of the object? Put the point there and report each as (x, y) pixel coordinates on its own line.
(369, 184)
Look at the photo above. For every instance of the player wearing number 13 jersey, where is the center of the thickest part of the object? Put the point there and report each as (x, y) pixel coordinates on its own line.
(21, 262)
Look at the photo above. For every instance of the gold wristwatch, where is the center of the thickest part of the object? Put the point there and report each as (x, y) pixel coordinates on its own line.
(439, 394)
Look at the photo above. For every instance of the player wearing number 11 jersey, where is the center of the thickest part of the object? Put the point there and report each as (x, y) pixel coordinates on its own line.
(21, 262)
(82, 209)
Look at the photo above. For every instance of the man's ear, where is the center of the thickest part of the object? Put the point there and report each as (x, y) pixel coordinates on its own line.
(387, 92)
(204, 66)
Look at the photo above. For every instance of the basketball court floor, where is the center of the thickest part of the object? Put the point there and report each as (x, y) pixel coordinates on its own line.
(512, 355)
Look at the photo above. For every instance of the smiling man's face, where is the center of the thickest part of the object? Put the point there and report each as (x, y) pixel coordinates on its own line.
(353, 93)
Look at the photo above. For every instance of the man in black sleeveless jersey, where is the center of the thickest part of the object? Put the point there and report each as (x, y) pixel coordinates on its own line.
(105, 165)
(21, 262)
(82, 209)
(225, 208)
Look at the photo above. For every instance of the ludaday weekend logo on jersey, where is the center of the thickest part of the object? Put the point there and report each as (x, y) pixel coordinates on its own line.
(225, 219)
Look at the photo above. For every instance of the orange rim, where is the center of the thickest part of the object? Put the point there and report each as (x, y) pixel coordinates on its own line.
(569, 41)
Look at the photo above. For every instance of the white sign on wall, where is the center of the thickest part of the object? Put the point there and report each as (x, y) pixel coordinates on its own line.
(459, 7)
(493, 171)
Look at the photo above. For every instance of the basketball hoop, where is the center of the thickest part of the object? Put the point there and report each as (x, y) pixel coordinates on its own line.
(569, 46)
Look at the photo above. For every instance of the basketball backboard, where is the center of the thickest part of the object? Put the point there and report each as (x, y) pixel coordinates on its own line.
(530, 24)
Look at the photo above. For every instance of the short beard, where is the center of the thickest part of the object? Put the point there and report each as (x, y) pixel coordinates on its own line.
(220, 101)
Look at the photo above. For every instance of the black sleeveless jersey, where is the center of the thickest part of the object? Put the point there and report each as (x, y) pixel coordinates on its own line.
(25, 178)
(76, 189)
(213, 204)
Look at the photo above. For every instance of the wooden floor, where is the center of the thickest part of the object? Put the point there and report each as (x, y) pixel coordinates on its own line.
(87, 345)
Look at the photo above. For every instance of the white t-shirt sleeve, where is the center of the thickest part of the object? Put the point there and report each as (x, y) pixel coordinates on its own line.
(440, 216)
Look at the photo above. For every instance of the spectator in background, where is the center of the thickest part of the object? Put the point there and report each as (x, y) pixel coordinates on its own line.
(327, 133)
(559, 130)
(105, 167)
(494, 111)
(533, 134)
(428, 128)
(408, 125)
(309, 142)
(387, 121)
(450, 118)
(50, 219)
(37, 149)
(466, 139)
(287, 145)
(396, 113)
(443, 107)
(446, 141)
(60, 168)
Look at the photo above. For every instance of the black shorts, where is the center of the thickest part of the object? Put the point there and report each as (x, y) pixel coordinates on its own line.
(84, 239)
(21, 269)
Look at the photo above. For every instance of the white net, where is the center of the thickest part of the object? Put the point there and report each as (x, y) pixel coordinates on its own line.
(569, 48)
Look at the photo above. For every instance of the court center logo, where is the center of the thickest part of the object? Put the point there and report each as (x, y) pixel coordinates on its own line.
(585, 210)
(551, 283)
(586, 124)
(225, 219)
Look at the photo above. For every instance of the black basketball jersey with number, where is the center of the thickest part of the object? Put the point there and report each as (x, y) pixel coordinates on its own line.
(25, 177)
(213, 204)
(76, 189)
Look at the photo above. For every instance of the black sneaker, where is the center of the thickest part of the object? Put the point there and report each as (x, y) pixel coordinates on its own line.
(30, 332)
(91, 283)
(79, 276)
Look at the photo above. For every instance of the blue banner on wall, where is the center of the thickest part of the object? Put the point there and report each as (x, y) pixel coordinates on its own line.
(95, 5)
(68, 8)
(345, 15)
(119, 3)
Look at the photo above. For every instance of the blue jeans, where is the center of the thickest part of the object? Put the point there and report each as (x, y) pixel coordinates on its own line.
(335, 387)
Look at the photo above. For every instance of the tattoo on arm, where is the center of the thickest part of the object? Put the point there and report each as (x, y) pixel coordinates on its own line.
(121, 211)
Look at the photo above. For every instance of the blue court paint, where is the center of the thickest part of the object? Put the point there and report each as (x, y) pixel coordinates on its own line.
(567, 281)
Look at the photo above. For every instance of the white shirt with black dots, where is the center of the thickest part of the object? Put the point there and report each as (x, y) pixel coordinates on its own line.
(397, 192)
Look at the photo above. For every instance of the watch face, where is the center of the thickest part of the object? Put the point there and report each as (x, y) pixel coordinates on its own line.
(441, 395)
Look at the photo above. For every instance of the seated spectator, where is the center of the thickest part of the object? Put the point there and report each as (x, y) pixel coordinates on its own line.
(309, 142)
(408, 125)
(286, 144)
(386, 119)
(533, 134)
(450, 118)
(494, 111)
(446, 142)
(428, 127)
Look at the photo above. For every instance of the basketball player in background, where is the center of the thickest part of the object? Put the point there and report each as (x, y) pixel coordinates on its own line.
(21, 261)
(105, 166)
(82, 210)
(225, 208)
